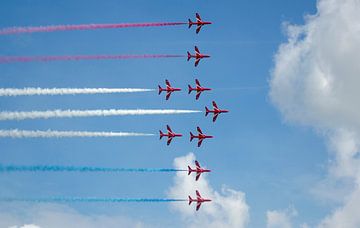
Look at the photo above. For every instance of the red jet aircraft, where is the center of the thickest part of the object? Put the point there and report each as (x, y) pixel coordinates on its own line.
(216, 111)
(199, 23)
(199, 200)
(198, 170)
(198, 89)
(170, 135)
(168, 89)
(201, 136)
(197, 56)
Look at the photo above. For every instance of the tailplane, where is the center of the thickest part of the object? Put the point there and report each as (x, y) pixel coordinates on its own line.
(207, 111)
(191, 136)
(190, 88)
(190, 200)
(190, 170)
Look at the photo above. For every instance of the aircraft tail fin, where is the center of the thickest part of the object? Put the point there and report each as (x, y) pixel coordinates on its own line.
(190, 200)
(160, 89)
(189, 170)
(190, 23)
(207, 111)
(191, 136)
(188, 56)
(161, 134)
(190, 88)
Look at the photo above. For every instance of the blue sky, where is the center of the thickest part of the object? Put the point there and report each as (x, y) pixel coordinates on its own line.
(253, 151)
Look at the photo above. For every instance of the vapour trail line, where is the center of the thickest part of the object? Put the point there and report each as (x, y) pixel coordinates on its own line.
(15, 133)
(88, 200)
(53, 28)
(11, 59)
(66, 91)
(58, 168)
(88, 113)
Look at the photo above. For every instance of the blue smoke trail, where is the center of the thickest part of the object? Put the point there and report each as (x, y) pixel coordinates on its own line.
(87, 200)
(54, 168)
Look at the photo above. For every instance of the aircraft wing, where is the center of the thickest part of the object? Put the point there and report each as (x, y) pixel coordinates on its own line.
(215, 105)
(197, 164)
(197, 50)
(168, 95)
(169, 141)
(198, 18)
(199, 130)
(198, 29)
(197, 62)
(199, 142)
(197, 176)
(198, 95)
(167, 83)
(197, 83)
(198, 205)
(169, 129)
(198, 194)
(215, 116)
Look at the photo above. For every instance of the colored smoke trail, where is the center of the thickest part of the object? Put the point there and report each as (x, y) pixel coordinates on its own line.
(55, 168)
(66, 91)
(86, 200)
(10, 59)
(14, 133)
(53, 28)
(88, 113)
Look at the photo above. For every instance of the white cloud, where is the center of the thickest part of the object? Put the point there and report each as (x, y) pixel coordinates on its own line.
(60, 216)
(26, 226)
(280, 219)
(316, 81)
(227, 209)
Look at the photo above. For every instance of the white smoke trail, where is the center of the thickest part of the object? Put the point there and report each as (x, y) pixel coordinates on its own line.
(15, 133)
(66, 91)
(87, 113)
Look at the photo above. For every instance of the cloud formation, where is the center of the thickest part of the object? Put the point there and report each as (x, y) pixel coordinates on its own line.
(315, 82)
(60, 216)
(280, 218)
(228, 208)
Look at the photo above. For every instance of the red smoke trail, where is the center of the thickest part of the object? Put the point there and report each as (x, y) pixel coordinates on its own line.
(10, 59)
(52, 28)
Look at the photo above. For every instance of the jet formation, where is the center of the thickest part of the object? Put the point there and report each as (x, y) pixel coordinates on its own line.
(170, 135)
(169, 89)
